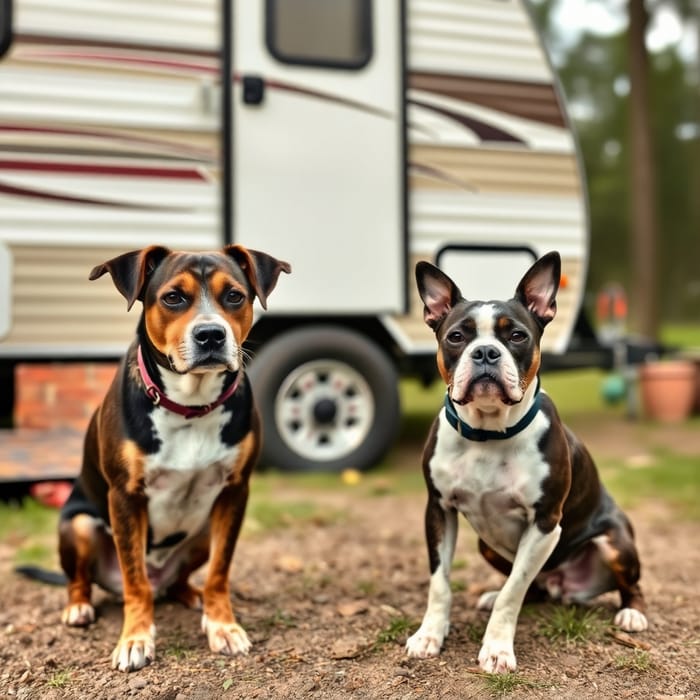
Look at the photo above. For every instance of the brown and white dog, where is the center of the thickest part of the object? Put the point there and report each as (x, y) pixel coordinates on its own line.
(168, 454)
(499, 454)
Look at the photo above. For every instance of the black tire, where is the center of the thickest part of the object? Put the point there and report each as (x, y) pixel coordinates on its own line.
(328, 398)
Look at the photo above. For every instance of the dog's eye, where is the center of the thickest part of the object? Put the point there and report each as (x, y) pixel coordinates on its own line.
(234, 297)
(518, 336)
(455, 337)
(173, 299)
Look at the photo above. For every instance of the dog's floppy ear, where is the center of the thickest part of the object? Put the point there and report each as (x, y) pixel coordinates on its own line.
(261, 269)
(537, 290)
(131, 271)
(438, 292)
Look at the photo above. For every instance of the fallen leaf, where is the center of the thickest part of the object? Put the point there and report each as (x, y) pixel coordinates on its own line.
(352, 607)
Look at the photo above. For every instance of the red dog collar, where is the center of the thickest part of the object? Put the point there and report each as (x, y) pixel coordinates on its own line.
(160, 399)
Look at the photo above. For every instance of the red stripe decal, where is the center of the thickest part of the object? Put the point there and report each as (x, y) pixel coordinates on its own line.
(90, 169)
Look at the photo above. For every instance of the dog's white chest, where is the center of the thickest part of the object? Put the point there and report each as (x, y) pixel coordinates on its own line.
(495, 484)
(185, 476)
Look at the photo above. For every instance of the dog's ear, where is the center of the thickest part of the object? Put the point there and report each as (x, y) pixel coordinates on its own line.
(438, 292)
(130, 272)
(537, 290)
(261, 269)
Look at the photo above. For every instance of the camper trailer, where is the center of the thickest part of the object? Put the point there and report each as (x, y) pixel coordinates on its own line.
(351, 138)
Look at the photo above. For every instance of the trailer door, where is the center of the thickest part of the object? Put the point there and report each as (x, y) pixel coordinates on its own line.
(318, 152)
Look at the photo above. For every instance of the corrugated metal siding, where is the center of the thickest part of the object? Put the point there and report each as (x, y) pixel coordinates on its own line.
(56, 309)
(495, 170)
(486, 38)
(192, 24)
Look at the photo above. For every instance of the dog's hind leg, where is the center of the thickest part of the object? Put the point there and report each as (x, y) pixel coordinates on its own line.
(77, 548)
(620, 554)
(441, 535)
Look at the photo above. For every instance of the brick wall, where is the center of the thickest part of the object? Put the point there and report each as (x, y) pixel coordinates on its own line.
(59, 395)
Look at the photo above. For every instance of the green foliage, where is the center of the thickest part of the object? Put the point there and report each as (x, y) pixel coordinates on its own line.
(571, 623)
(31, 529)
(594, 75)
(60, 679)
(636, 660)
(671, 478)
(397, 628)
(501, 684)
(266, 513)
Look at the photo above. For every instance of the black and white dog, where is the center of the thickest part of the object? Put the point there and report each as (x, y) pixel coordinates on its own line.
(499, 453)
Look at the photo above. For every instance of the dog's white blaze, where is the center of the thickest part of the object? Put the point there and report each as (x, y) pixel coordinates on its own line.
(186, 475)
(506, 368)
(495, 484)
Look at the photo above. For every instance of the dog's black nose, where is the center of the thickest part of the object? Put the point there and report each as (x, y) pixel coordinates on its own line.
(486, 354)
(209, 336)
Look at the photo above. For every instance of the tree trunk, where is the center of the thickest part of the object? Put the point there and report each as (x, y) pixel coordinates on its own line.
(644, 305)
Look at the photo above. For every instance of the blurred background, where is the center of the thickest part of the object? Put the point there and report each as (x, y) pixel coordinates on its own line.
(631, 75)
(351, 139)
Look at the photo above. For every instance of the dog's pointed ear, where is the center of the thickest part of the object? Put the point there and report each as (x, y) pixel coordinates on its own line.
(130, 271)
(537, 290)
(261, 269)
(438, 292)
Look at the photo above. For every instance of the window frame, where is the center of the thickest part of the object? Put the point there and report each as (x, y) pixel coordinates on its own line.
(6, 29)
(366, 28)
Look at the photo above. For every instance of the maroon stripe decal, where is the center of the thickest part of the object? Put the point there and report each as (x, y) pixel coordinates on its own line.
(92, 169)
(29, 193)
(353, 104)
(171, 147)
(122, 59)
(441, 175)
(486, 132)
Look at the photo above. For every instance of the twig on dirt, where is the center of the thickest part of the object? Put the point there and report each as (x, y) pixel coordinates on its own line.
(628, 641)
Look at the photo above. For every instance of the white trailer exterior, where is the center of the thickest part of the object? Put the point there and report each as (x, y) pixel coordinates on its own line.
(351, 138)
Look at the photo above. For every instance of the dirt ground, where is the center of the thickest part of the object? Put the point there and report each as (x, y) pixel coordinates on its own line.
(328, 603)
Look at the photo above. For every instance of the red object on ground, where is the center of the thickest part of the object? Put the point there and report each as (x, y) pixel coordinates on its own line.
(51, 493)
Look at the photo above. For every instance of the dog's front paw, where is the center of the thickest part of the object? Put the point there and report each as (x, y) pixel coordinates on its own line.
(78, 615)
(425, 643)
(486, 600)
(631, 620)
(225, 637)
(496, 656)
(135, 651)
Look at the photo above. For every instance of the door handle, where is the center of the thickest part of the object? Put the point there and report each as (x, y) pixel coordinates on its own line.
(253, 89)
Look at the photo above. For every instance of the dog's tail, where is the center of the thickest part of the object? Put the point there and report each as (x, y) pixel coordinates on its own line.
(37, 573)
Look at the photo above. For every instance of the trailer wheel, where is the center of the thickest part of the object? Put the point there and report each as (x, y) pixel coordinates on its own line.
(328, 398)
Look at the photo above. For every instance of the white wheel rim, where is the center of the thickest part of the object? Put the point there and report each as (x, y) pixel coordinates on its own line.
(307, 397)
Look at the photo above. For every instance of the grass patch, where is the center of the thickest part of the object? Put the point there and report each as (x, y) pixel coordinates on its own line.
(636, 660)
(18, 522)
(178, 651)
(264, 515)
(681, 335)
(572, 624)
(501, 684)
(31, 530)
(475, 632)
(279, 618)
(397, 628)
(672, 478)
(60, 679)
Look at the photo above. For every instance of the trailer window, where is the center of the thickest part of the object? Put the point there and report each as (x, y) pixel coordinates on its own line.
(5, 25)
(335, 34)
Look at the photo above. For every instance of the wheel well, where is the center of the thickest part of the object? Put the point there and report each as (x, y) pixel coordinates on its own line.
(369, 326)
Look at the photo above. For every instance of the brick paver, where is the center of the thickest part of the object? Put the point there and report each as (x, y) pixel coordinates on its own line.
(39, 455)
